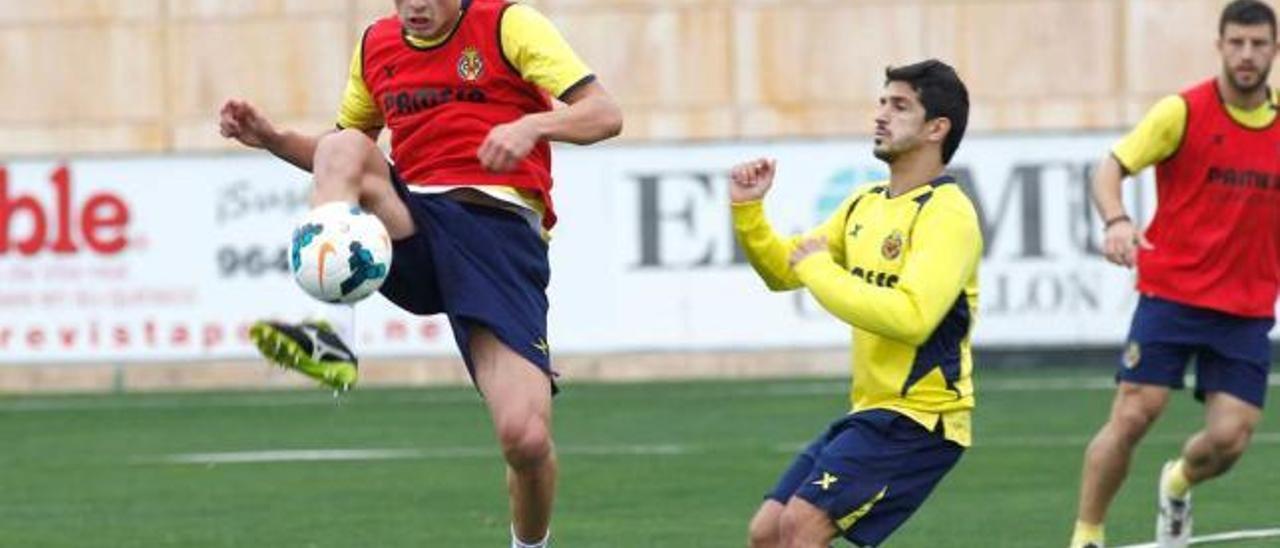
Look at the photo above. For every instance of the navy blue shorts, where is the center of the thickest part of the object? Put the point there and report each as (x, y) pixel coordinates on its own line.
(869, 471)
(480, 266)
(1232, 353)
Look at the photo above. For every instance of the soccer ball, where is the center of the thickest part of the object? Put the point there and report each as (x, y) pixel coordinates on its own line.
(340, 253)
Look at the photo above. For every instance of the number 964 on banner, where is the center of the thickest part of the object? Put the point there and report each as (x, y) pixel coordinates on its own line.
(340, 253)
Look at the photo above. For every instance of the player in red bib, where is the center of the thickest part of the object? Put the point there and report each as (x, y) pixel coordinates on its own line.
(1208, 273)
(465, 87)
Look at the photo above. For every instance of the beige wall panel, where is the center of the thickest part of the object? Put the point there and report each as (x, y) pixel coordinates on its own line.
(366, 11)
(808, 121)
(666, 123)
(790, 54)
(996, 114)
(675, 58)
(148, 75)
(1170, 44)
(77, 11)
(207, 9)
(944, 37)
(288, 67)
(81, 74)
(1136, 106)
(56, 140)
(1038, 47)
(202, 133)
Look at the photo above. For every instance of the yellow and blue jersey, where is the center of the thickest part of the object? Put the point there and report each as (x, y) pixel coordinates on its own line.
(532, 46)
(902, 271)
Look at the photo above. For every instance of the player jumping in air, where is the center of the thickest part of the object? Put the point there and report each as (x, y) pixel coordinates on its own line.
(464, 86)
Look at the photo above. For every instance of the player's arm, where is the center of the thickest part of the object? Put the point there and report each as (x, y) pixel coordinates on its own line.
(533, 46)
(768, 253)
(242, 121)
(1153, 140)
(945, 248)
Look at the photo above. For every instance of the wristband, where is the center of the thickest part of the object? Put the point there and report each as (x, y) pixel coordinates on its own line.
(1122, 218)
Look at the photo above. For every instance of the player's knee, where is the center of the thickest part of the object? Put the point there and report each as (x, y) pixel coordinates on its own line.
(795, 527)
(789, 526)
(525, 443)
(764, 530)
(1131, 422)
(342, 155)
(1229, 443)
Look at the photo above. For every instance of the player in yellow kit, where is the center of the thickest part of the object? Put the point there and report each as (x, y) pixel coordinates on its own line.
(898, 262)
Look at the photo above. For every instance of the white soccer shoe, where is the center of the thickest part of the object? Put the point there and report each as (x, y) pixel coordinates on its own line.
(1173, 523)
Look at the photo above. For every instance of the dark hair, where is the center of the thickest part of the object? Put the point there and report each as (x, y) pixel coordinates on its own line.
(941, 93)
(1247, 12)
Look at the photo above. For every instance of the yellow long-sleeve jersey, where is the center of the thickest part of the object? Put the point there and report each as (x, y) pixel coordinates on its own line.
(903, 272)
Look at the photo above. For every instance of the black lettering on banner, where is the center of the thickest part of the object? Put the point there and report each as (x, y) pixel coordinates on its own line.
(252, 261)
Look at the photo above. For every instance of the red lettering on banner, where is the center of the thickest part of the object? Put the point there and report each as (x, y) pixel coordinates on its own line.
(396, 331)
(180, 336)
(430, 331)
(212, 335)
(102, 219)
(120, 335)
(242, 333)
(102, 213)
(4, 337)
(8, 208)
(68, 336)
(149, 333)
(61, 180)
(35, 337)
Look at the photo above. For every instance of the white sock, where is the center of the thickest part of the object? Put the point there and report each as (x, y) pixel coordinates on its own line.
(340, 317)
(516, 543)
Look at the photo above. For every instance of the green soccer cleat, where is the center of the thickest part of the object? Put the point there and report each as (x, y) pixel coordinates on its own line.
(310, 348)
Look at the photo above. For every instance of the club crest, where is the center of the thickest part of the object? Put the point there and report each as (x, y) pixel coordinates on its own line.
(891, 249)
(1132, 355)
(470, 65)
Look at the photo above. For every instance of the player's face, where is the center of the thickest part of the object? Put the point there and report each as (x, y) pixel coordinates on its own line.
(900, 121)
(1247, 52)
(428, 18)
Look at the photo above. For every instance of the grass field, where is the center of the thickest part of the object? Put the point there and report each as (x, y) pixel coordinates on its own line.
(671, 465)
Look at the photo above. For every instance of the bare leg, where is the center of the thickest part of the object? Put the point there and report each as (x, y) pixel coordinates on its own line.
(765, 530)
(806, 526)
(1106, 460)
(348, 167)
(518, 395)
(1229, 425)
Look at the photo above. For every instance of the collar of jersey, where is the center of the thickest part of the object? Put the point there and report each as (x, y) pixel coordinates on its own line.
(927, 187)
(1256, 119)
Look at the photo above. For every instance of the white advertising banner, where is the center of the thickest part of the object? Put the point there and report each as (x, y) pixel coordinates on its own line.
(169, 258)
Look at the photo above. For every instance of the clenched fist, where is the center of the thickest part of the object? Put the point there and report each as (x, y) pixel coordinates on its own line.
(750, 181)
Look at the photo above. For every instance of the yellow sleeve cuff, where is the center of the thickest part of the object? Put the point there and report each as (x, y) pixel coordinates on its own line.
(747, 215)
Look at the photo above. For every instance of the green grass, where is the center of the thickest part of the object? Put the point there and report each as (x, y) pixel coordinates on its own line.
(85, 470)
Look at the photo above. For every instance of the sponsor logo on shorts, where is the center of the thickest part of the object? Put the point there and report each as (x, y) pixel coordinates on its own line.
(1132, 354)
(543, 346)
(826, 481)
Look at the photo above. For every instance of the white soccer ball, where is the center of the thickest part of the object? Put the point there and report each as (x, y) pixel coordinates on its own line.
(340, 253)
